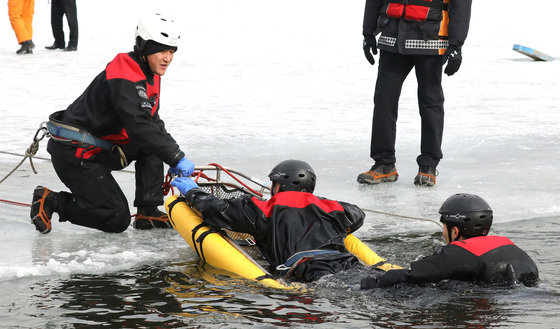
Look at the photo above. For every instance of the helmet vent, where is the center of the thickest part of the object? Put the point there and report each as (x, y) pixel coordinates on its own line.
(165, 34)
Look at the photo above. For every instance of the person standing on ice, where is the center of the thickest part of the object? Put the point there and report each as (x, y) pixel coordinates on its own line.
(470, 254)
(300, 235)
(21, 13)
(420, 34)
(59, 8)
(113, 122)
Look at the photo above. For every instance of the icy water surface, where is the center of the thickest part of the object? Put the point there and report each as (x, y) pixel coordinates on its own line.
(185, 293)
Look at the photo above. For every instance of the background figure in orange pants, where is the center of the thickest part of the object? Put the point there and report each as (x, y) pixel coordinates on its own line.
(21, 17)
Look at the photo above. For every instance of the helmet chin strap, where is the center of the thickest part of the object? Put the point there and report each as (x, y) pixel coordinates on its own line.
(450, 233)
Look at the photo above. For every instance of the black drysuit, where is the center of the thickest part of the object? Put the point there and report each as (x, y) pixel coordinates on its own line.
(480, 259)
(412, 36)
(120, 106)
(288, 223)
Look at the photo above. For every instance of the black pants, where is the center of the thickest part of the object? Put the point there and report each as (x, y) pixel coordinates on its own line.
(393, 70)
(96, 200)
(60, 8)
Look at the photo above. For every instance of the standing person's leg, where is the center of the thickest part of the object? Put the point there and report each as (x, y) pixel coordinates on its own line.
(69, 8)
(57, 24)
(27, 16)
(96, 200)
(17, 15)
(15, 10)
(430, 102)
(392, 71)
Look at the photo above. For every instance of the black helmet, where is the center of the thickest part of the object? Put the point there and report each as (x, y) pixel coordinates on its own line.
(468, 212)
(294, 175)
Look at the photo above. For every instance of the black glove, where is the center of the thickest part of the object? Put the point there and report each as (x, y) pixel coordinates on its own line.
(368, 283)
(453, 57)
(370, 46)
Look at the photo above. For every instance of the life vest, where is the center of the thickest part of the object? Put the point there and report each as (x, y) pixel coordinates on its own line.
(416, 10)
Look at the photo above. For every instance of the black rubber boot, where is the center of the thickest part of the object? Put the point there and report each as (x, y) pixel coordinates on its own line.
(26, 48)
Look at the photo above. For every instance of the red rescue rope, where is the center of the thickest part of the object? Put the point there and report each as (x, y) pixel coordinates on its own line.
(232, 176)
(16, 203)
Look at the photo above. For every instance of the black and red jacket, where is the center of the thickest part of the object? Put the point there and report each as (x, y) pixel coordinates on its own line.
(478, 259)
(121, 106)
(417, 27)
(289, 222)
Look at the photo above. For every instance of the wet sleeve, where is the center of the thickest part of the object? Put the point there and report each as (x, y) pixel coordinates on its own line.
(234, 214)
(459, 20)
(371, 13)
(448, 262)
(354, 217)
(136, 116)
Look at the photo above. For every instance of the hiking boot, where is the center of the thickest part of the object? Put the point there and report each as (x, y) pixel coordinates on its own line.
(149, 218)
(42, 208)
(426, 176)
(26, 48)
(379, 173)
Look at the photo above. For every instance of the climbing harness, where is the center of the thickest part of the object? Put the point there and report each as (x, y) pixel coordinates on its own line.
(65, 133)
(299, 257)
(69, 134)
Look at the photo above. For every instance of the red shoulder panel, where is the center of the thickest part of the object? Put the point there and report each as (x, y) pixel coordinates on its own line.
(124, 67)
(482, 244)
(296, 200)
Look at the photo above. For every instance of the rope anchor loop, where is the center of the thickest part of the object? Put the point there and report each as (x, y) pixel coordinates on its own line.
(40, 134)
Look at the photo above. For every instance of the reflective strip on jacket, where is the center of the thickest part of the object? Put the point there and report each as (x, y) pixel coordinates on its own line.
(417, 27)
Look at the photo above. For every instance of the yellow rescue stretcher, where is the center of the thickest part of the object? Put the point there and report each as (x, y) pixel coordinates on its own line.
(221, 252)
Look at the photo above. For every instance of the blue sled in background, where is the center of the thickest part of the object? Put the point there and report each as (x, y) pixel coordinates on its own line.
(535, 54)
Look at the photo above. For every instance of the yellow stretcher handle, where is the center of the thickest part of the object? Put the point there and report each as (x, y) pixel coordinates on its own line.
(366, 255)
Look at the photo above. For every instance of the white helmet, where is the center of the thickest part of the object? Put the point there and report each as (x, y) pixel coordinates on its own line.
(158, 28)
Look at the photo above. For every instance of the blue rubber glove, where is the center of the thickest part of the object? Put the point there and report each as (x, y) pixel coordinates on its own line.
(184, 168)
(184, 184)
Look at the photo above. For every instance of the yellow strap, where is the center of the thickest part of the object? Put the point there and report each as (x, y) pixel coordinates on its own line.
(366, 255)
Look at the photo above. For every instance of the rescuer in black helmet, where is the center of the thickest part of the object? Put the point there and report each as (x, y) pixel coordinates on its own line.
(293, 175)
(470, 254)
(465, 216)
(300, 235)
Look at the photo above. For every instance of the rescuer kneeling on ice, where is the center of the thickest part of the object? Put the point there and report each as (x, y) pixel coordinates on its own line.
(114, 122)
